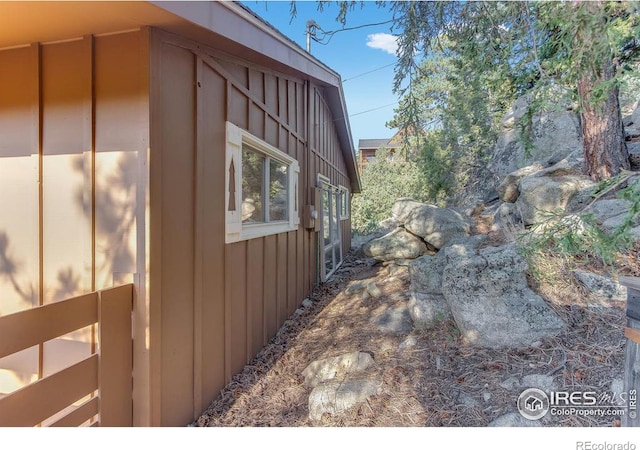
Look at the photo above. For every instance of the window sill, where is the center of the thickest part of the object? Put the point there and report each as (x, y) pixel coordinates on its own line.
(254, 231)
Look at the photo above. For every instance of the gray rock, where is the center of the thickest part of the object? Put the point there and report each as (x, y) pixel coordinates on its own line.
(635, 233)
(393, 320)
(540, 196)
(490, 300)
(425, 273)
(307, 303)
(437, 226)
(486, 396)
(336, 397)
(507, 218)
(355, 287)
(610, 213)
(388, 224)
(511, 383)
(514, 420)
(402, 208)
(604, 289)
(617, 387)
(336, 367)
(555, 134)
(399, 244)
(427, 305)
(467, 400)
(428, 310)
(543, 382)
(373, 290)
(508, 190)
(409, 342)
(572, 165)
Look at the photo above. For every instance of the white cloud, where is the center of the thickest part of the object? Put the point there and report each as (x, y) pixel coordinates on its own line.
(383, 41)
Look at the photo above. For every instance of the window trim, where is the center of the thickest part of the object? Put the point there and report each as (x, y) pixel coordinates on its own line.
(344, 202)
(235, 230)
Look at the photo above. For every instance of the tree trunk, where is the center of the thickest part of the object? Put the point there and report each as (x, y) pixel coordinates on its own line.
(605, 151)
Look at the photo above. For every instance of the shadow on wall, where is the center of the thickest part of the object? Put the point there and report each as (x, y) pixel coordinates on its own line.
(115, 213)
(9, 268)
(115, 227)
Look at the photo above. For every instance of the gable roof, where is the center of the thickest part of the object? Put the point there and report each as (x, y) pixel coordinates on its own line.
(376, 143)
(220, 24)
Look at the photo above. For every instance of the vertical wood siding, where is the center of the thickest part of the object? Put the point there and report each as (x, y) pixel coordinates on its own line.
(243, 292)
(73, 143)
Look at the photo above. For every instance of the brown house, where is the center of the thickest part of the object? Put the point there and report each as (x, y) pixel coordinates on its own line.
(187, 148)
(367, 148)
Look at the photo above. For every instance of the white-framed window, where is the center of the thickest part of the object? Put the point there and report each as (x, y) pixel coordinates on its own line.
(344, 202)
(261, 185)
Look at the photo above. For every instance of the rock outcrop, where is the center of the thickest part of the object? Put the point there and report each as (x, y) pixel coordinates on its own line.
(339, 383)
(555, 134)
(490, 300)
(399, 244)
(437, 226)
(427, 306)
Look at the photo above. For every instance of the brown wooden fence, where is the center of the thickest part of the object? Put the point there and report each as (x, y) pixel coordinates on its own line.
(103, 379)
(632, 355)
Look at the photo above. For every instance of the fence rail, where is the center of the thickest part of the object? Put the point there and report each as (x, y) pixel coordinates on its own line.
(632, 355)
(53, 400)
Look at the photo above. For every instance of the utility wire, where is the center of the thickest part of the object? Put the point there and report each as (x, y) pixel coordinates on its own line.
(367, 111)
(373, 109)
(366, 73)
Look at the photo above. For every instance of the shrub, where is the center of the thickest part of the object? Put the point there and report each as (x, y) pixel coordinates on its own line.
(384, 179)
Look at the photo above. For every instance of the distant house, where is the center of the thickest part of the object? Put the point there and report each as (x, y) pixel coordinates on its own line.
(367, 148)
(186, 148)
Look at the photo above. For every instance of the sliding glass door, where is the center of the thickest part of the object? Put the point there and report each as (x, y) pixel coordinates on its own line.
(331, 239)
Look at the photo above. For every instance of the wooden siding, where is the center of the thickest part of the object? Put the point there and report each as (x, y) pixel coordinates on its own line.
(236, 296)
(73, 145)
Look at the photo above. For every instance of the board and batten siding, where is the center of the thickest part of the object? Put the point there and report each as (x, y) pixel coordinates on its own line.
(235, 296)
(74, 139)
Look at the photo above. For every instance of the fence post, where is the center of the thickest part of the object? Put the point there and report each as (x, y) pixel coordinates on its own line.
(116, 356)
(632, 355)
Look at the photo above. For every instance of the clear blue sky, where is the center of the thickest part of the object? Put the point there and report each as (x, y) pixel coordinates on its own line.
(348, 54)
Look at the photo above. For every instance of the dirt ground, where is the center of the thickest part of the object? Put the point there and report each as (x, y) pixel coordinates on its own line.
(439, 381)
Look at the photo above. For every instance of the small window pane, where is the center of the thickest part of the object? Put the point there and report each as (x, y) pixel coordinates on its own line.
(325, 217)
(328, 261)
(334, 216)
(278, 191)
(252, 185)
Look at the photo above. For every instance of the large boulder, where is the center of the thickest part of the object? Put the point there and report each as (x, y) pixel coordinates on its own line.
(425, 273)
(555, 134)
(603, 289)
(437, 226)
(402, 208)
(508, 190)
(399, 244)
(336, 367)
(427, 305)
(611, 213)
(490, 300)
(335, 397)
(541, 195)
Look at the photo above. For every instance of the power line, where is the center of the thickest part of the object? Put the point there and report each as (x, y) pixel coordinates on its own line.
(370, 71)
(373, 109)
